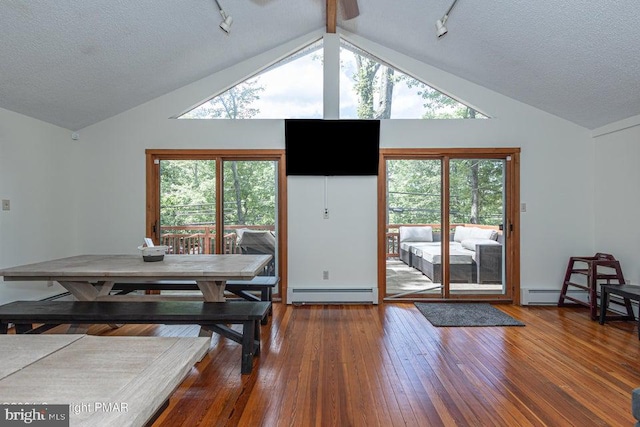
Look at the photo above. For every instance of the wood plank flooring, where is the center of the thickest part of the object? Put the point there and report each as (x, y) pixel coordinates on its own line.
(365, 365)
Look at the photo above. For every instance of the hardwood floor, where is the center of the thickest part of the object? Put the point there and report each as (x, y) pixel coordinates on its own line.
(364, 365)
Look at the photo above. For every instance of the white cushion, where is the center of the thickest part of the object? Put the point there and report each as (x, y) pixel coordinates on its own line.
(432, 253)
(471, 243)
(416, 234)
(461, 233)
(482, 233)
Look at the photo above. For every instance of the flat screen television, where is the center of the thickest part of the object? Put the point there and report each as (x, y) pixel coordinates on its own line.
(332, 147)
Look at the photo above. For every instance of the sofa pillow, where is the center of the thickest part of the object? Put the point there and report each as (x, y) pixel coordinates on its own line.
(461, 233)
(416, 234)
(471, 243)
(482, 233)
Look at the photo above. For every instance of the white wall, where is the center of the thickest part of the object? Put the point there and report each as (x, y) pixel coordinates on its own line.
(344, 244)
(36, 176)
(557, 178)
(617, 199)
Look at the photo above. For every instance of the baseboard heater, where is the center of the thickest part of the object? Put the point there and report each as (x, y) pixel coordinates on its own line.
(316, 295)
(551, 297)
(548, 296)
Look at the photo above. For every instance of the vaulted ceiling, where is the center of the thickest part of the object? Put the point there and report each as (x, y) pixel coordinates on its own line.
(74, 63)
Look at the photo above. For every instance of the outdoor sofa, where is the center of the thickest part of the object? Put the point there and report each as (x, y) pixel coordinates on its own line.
(475, 254)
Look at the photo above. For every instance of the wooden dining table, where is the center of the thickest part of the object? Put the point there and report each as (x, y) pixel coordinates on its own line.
(105, 381)
(91, 277)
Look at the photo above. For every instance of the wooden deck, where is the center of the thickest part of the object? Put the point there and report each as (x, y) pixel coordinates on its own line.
(365, 365)
(401, 279)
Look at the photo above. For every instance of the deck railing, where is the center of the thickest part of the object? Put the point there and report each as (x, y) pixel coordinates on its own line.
(201, 239)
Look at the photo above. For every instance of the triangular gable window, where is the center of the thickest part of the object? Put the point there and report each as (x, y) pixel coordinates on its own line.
(373, 89)
(292, 88)
(281, 91)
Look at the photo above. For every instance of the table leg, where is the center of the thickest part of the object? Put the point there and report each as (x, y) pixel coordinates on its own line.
(212, 291)
(593, 291)
(205, 332)
(604, 304)
(104, 288)
(83, 291)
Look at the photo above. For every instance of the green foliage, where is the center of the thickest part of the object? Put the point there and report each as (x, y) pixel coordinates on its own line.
(235, 103)
(489, 187)
(374, 84)
(414, 191)
(250, 192)
(365, 81)
(187, 192)
(438, 105)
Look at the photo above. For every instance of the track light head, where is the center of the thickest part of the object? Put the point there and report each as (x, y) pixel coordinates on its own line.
(227, 20)
(226, 24)
(441, 29)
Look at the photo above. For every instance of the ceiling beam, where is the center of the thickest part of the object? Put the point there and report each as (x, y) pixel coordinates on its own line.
(332, 15)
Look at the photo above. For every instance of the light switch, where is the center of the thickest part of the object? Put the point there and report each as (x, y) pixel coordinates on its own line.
(6, 205)
(523, 207)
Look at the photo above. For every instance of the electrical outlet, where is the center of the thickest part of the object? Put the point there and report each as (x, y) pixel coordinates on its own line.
(325, 275)
(6, 205)
(325, 214)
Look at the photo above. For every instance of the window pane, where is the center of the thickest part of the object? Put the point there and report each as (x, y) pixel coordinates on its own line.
(249, 201)
(414, 212)
(187, 206)
(372, 89)
(476, 215)
(291, 88)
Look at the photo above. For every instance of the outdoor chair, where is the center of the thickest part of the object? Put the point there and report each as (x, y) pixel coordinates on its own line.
(259, 242)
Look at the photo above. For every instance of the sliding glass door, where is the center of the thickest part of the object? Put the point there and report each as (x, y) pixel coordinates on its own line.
(446, 223)
(217, 202)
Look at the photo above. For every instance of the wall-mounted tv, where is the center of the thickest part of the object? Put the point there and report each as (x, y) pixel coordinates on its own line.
(332, 147)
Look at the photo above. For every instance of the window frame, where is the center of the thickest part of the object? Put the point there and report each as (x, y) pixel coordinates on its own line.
(152, 160)
(512, 212)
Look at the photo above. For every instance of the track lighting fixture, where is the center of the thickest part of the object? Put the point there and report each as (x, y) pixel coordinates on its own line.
(227, 20)
(441, 28)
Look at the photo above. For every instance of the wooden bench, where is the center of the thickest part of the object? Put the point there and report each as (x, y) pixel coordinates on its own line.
(240, 288)
(210, 315)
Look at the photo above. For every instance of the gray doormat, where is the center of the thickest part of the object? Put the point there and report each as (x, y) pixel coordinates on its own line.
(465, 314)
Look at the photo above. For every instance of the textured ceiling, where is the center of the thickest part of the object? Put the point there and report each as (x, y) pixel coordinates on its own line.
(73, 63)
